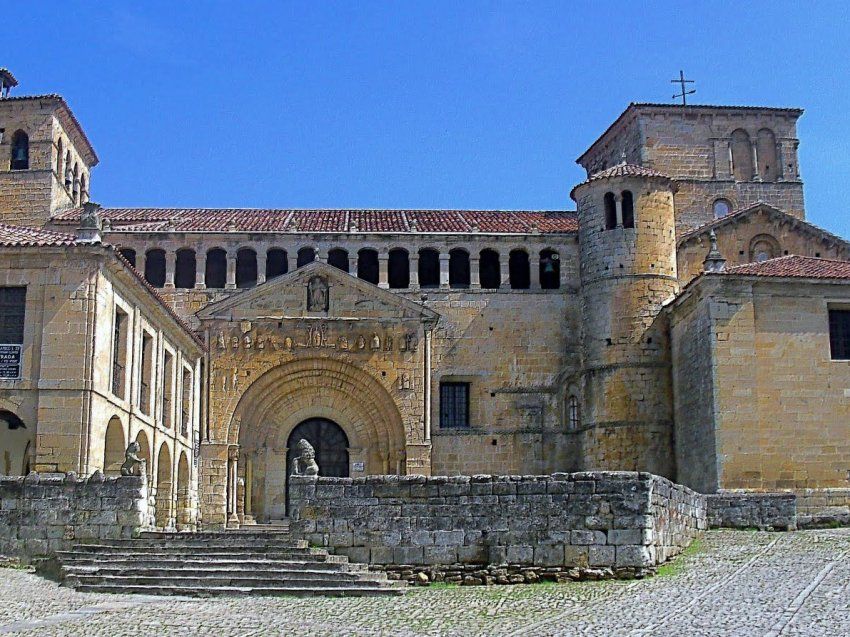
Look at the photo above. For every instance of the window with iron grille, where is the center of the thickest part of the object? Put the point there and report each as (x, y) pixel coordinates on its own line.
(12, 308)
(839, 334)
(454, 405)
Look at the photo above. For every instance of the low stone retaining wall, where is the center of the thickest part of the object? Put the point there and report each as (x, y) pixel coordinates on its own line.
(747, 510)
(42, 514)
(601, 523)
(818, 508)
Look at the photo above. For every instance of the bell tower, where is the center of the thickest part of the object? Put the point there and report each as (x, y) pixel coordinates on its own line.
(627, 243)
(45, 157)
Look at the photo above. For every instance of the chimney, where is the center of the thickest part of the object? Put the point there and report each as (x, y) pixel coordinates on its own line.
(90, 224)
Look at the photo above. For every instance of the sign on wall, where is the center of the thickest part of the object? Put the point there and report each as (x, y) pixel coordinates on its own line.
(10, 361)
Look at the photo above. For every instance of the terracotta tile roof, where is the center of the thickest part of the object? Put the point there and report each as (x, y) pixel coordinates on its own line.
(622, 170)
(302, 221)
(14, 236)
(794, 266)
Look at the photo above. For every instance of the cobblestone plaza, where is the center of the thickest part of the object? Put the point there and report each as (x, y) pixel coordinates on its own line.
(732, 583)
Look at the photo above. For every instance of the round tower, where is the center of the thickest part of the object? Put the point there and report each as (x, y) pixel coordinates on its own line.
(627, 240)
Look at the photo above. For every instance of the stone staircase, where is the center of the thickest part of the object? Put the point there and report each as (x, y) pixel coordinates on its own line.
(244, 562)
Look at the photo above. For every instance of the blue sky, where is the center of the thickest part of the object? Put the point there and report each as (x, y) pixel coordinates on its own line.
(412, 104)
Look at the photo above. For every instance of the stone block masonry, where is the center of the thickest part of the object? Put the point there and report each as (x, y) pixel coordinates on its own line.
(44, 513)
(612, 523)
(742, 510)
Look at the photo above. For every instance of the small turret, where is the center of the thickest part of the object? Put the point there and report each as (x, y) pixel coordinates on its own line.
(714, 261)
(7, 82)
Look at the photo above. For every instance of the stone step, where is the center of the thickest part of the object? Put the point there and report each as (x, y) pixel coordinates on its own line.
(296, 591)
(241, 580)
(137, 556)
(229, 534)
(213, 572)
(261, 542)
(93, 561)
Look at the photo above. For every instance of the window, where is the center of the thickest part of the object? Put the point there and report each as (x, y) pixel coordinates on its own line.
(69, 178)
(155, 267)
(75, 194)
(628, 206)
(458, 268)
(184, 275)
(520, 271)
(20, 151)
(59, 158)
(489, 272)
(338, 258)
(722, 207)
(246, 268)
(186, 403)
(367, 265)
(84, 189)
(573, 413)
(119, 353)
(610, 211)
(399, 269)
(215, 271)
(764, 247)
(454, 405)
(429, 268)
(147, 374)
(742, 155)
(12, 310)
(839, 334)
(550, 270)
(168, 390)
(305, 256)
(276, 263)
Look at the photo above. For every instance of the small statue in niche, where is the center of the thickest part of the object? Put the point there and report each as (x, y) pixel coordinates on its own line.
(248, 341)
(317, 295)
(388, 343)
(222, 343)
(361, 342)
(234, 341)
(404, 381)
(343, 342)
(304, 463)
(287, 344)
(133, 465)
(376, 342)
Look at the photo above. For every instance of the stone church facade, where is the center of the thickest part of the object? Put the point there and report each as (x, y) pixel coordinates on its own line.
(685, 319)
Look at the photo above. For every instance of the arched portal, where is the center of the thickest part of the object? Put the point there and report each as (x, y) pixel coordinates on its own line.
(113, 447)
(163, 487)
(329, 442)
(349, 399)
(184, 494)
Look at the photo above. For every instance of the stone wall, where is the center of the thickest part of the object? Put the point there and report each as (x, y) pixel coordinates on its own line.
(765, 511)
(44, 513)
(623, 523)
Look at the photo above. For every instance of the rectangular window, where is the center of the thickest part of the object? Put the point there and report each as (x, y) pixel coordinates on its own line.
(168, 390)
(186, 403)
(119, 353)
(12, 307)
(454, 405)
(147, 374)
(839, 334)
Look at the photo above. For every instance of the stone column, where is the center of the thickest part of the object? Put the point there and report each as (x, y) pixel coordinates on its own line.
(414, 270)
(534, 260)
(232, 477)
(444, 270)
(352, 264)
(231, 271)
(474, 272)
(141, 257)
(756, 176)
(291, 260)
(618, 204)
(383, 270)
(261, 267)
(505, 270)
(322, 255)
(200, 270)
(170, 265)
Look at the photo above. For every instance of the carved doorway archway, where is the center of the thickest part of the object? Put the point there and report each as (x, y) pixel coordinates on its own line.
(330, 443)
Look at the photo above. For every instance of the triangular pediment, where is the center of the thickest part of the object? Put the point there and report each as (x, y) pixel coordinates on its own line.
(316, 290)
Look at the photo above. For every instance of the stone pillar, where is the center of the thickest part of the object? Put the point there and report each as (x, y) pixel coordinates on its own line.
(231, 271)
(232, 471)
(141, 257)
(291, 260)
(249, 491)
(170, 265)
(618, 203)
(200, 270)
(505, 270)
(322, 255)
(444, 270)
(383, 270)
(756, 176)
(352, 264)
(534, 259)
(474, 272)
(261, 267)
(414, 270)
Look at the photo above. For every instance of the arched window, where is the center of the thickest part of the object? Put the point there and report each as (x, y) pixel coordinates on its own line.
(550, 269)
(489, 272)
(367, 265)
(399, 269)
(338, 258)
(610, 211)
(129, 254)
(276, 263)
(721, 207)
(69, 177)
(458, 268)
(84, 190)
(520, 272)
(573, 413)
(766, 151)
(59, 157)
(20, 159)
(75, 194)
(184, 269)
(246, 268)
(215, 272)
(305, 256)
(155, 267)
(628, 206)
(16, 444)
(764, 247)
(429, 268)
(742, 155)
